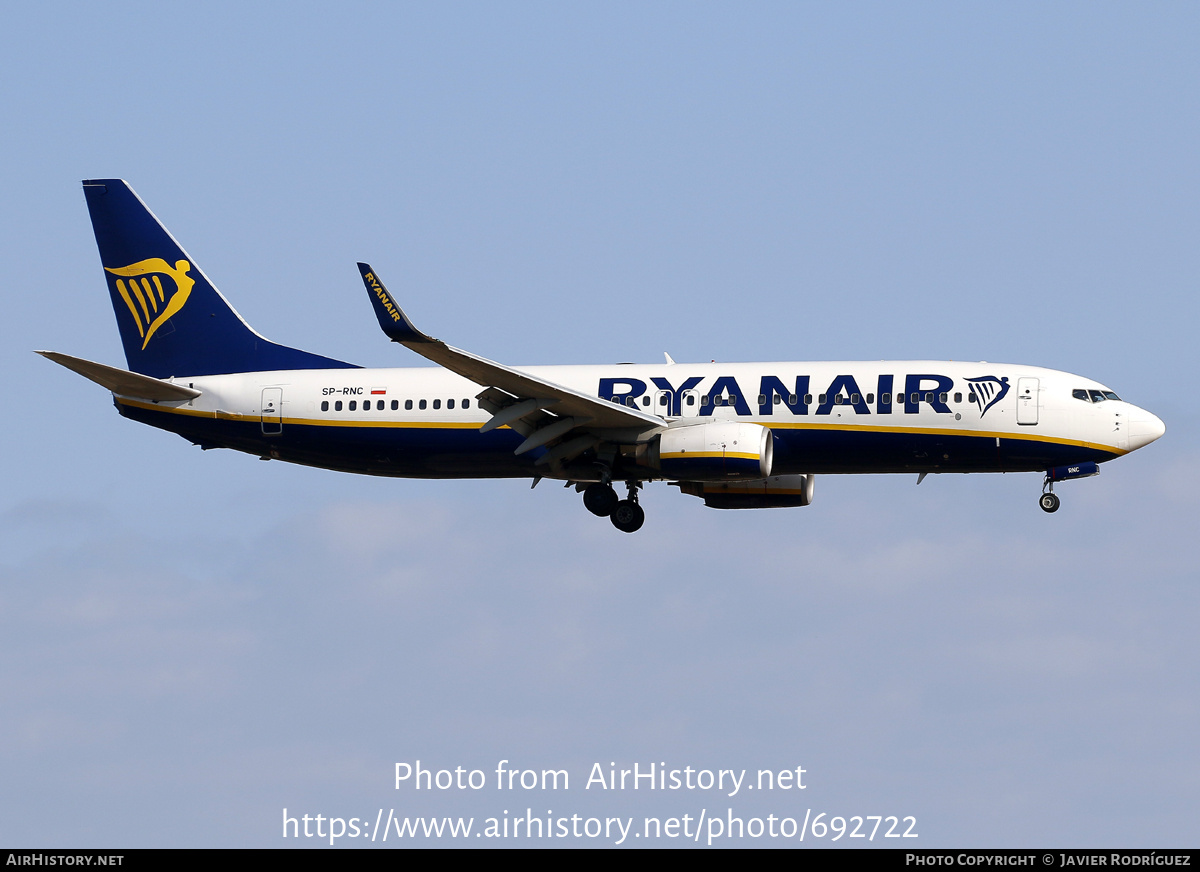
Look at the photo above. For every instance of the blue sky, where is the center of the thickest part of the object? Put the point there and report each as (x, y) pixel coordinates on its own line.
(194, 641)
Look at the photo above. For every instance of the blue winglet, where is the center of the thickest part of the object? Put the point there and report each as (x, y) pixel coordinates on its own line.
(391, 317)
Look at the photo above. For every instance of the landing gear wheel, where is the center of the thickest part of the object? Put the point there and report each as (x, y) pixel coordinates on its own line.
(628, 516)
(1049, 502)
(600, 499)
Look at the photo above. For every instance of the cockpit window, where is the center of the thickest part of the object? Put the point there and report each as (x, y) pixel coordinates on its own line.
(1097, 396)
(1080, 394)
(1110, 395)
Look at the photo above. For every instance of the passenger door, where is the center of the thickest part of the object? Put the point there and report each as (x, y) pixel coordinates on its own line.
(271, 414)
(1027, 401)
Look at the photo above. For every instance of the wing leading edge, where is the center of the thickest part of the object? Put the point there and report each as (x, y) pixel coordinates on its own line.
(540, 410)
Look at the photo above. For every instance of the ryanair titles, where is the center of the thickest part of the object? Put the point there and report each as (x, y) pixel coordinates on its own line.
(882, 397)
(384, 299)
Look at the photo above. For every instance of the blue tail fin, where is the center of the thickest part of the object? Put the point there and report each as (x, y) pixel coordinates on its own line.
(173, 322)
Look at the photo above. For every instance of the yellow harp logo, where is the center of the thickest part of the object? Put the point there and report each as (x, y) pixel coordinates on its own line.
(149, 304)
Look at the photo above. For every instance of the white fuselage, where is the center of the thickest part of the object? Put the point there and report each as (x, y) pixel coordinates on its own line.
(841, 416)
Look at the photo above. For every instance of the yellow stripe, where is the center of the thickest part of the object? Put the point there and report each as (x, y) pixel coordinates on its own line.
(675, 455)
(453, 425)
(752, 492)
(926, 431)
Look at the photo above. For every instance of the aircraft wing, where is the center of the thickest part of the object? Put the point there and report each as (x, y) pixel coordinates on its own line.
(516, 398)
(121, 381)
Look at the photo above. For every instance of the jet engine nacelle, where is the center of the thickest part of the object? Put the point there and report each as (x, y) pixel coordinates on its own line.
(776, 492)
(713, 451)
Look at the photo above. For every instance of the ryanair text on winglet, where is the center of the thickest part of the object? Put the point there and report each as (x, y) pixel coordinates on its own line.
(383, 297)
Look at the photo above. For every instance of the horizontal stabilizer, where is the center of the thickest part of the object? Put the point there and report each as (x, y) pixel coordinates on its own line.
(122, 381)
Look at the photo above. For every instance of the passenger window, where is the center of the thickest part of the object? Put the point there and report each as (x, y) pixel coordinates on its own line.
(914, 398)
(837, 399)
(870, 398)
(324, 405)
(929, 396)
(466, 404)
(776, 399)
(886, 399)
(449, 404)
(421, 404)
(437, 404)
(379, 405)
(662, 401)
(395, 405)
(408, 405)
(942, 397)
(704, 400)
(762, 399)
(645, 401)
(823, 397)
(353, 405)
(808, 399)
(792, 399)
(854, 399)
(691, 399)
(732, 401)
(958, 396)
(337, 406)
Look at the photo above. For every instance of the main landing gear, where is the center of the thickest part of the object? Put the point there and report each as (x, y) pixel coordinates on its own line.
(626, 515)
(1049, 500)
(600, 499)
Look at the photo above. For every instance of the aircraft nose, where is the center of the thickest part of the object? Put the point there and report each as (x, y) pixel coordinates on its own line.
(1144, 428)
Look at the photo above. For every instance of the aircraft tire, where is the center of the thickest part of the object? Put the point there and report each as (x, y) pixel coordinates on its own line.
(1049, 502)
(628, 516)
(600, 499)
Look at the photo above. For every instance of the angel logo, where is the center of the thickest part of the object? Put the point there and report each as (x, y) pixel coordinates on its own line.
(149, 303)
(987, 391)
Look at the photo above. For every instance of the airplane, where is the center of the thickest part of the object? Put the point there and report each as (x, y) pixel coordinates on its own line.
(737, 435)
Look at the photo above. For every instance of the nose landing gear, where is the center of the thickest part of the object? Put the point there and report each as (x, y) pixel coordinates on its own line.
(1049, 500)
